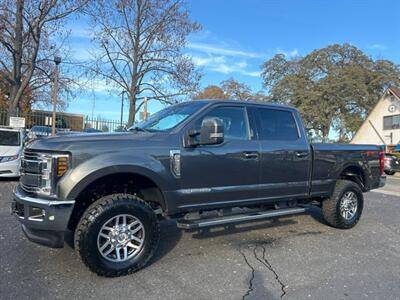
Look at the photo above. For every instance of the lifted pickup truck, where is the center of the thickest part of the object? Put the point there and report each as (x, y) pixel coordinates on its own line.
(244, 161)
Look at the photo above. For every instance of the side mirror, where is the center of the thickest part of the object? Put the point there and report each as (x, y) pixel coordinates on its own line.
(212, 131)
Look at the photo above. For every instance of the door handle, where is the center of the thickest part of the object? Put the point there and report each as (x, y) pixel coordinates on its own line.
(250, 155)
(301, 154)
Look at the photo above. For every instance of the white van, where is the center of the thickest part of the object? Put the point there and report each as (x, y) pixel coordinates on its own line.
(11, 144)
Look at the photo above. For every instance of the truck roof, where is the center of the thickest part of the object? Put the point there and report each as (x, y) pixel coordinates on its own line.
(231, 101)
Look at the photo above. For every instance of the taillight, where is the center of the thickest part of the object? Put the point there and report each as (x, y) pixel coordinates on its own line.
(381, 161)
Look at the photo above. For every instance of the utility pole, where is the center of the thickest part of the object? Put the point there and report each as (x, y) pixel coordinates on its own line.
(145, 114)
(122, 106)
(57, 60)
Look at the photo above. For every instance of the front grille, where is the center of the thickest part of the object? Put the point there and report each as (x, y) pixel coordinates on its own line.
(31, 171)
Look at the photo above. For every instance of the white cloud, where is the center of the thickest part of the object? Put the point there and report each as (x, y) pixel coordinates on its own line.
(206, 61)
(216, 49)
(252, 73)
(223, 64)
(377, 47)
(289, 54)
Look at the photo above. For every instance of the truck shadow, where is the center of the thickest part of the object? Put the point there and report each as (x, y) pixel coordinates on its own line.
(316, 214)
(217, 231)
(170, 237)
(9, 179)
(171, 234)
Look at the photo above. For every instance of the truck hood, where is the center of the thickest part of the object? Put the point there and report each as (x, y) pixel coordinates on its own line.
(86, 141)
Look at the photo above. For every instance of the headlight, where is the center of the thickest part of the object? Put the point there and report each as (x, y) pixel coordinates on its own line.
(8, 158)
(54, 166)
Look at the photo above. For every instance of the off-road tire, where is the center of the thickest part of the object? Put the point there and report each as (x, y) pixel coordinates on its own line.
(331, 206)
(86, 233)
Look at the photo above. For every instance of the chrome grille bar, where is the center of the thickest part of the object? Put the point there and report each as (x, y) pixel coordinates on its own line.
(31, 171)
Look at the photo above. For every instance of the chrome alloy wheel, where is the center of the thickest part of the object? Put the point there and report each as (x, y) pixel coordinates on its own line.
(121, 238)
(348, 205)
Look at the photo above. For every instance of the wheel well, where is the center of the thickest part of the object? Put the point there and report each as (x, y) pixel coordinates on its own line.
(355, 174)
(127, 183)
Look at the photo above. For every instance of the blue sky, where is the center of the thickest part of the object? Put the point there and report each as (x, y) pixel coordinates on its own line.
(238, 36)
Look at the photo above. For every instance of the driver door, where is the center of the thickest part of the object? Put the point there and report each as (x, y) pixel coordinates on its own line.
(227, 173)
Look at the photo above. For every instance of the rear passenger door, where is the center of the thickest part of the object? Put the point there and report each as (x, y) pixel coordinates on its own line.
(285, 155)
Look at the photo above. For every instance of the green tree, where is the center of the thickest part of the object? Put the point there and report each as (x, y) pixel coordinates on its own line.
(334, 87)
(230, 89)
(236, 90)
(211, 92)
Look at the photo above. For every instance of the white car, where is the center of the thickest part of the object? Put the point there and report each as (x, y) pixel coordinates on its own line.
(11, 144)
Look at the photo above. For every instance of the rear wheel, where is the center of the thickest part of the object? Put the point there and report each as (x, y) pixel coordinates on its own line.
(344, 208)
(117, 235)
(389, 172)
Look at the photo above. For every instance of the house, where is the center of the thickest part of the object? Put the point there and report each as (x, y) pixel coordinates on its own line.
(382, 126)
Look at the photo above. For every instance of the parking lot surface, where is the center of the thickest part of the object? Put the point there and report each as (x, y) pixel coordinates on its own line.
(295, 257)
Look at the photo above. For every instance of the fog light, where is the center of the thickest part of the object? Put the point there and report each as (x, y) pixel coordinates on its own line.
(36, 214)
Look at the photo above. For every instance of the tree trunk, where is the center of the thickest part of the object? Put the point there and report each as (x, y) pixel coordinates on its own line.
(16, 94)
(325, 133)
(132, 111)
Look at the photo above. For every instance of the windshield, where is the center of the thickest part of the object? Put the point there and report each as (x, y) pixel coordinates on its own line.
(9, 138)
(43, 129)
(170, 117)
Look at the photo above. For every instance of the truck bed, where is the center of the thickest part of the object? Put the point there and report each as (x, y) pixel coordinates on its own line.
(330, 160)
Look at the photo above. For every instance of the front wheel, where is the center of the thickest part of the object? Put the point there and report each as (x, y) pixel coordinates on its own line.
(117, 235)
(344, 208)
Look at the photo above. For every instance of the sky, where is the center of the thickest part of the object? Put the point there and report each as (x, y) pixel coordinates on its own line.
(238, 36)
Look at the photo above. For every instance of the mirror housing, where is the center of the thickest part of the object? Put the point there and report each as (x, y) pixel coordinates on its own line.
(212, 131)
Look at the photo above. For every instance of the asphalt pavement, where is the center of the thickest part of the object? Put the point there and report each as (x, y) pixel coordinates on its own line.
(297, 257)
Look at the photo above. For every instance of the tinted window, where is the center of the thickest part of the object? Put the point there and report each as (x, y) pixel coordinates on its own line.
(9, 138)
(234, 121)
(276, 125)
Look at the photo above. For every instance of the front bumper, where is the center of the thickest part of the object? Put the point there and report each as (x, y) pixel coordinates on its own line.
(43, 221)
(10, 169)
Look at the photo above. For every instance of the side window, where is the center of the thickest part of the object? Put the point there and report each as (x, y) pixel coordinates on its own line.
(276, 125)
(234, 120)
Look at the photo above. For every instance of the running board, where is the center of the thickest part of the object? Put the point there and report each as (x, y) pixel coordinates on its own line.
(238, 218)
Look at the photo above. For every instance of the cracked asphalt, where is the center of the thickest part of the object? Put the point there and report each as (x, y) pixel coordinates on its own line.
(295, 257)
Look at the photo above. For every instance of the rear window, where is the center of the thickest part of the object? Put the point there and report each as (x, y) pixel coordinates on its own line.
(9, 138)
(276, 125)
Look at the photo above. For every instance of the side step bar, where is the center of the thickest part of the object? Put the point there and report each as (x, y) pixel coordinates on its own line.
(237, 218)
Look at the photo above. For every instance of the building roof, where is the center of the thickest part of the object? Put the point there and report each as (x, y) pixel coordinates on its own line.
(394, 91)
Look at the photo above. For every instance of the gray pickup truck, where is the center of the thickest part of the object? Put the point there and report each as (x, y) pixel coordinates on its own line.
(202, 163)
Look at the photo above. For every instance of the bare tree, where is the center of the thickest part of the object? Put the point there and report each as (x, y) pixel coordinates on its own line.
(26, 47)
(141, 44)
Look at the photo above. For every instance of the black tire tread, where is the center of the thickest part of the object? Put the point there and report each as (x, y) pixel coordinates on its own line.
(93, 211)
(329, 206)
